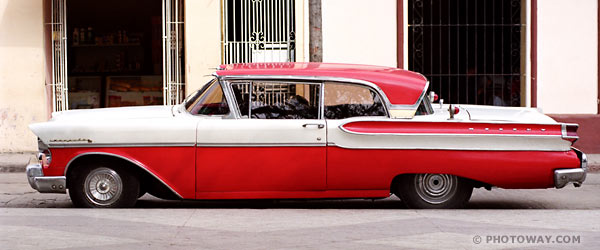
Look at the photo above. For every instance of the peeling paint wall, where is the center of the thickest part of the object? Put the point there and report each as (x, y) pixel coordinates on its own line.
(22, 93)
(202, 41)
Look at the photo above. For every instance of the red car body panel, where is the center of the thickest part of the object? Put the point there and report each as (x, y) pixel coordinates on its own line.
(172, 165)
(375, 168)
(235, 173)
(247, 169)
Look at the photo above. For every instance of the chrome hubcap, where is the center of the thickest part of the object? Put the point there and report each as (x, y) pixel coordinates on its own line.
(435, 188)
(103, 186)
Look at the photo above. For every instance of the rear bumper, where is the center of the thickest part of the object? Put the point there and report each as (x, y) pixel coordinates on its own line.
(562, 177)
(45, 184)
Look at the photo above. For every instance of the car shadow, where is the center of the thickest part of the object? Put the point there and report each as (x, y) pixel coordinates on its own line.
(388, 203)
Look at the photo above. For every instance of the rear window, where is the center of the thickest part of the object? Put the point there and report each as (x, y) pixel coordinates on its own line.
(351, 100)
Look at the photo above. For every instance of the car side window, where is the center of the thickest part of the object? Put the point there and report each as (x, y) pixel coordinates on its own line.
(210, 102)
(350, 100)
(277, 100)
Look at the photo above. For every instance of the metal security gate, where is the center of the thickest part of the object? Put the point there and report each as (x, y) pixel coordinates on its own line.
(58, 38)
(173, 53)
(258, 31)
(470, 50)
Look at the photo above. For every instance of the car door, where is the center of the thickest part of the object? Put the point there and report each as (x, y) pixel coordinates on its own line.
(352, 163)
(274, 140)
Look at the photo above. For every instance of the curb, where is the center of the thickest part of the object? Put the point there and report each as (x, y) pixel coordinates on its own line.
(15, 162)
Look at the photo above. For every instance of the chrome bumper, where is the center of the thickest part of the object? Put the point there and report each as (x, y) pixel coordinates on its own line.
(562, 177)
(45, 184)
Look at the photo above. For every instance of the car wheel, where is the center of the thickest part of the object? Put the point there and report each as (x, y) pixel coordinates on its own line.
(434, 191)
(104, 187)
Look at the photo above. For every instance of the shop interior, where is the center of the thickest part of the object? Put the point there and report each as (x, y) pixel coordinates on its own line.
(114, 53)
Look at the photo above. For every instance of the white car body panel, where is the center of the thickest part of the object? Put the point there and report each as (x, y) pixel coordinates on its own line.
(261, 132)
(130, 126)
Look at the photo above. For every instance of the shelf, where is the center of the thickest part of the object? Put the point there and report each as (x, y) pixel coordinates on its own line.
(106, 45)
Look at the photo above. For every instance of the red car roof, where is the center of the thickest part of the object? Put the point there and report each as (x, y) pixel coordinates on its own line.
(402, 87)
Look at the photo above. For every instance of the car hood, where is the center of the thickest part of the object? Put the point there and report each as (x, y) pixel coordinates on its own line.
(142, 112)
(505, 114)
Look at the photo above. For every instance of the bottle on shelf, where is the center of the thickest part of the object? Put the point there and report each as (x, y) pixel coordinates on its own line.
(82, 36)
(90, 36)
(76, 36)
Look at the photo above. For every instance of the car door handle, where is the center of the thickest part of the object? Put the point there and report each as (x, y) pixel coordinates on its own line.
(319, 125)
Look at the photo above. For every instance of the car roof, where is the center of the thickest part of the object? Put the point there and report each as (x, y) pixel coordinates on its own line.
(402, 87)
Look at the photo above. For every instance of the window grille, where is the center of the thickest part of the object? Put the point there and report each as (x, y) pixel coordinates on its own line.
(58, 38)
(470, 50)
(173, 52)
(258, 31)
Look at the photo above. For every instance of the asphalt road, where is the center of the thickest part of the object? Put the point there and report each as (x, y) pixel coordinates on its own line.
(497, 219)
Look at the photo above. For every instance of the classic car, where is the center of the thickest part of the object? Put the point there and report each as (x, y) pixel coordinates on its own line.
(303, 131)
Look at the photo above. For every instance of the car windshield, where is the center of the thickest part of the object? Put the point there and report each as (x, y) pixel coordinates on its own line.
(191, 99)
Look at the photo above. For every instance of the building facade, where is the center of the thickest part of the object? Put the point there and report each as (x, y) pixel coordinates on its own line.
(67, 54)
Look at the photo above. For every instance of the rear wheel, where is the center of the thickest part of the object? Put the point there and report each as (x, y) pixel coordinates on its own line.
(104, 186)
(434, 191)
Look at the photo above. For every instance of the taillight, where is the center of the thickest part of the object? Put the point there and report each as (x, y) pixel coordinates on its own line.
(569, 132)
(433, 97)
(44, 156)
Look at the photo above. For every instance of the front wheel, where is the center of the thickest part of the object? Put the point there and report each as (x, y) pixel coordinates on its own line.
(104, 186)
(434, 191)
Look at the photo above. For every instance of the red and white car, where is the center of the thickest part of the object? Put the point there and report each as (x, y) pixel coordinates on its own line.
(303, 130)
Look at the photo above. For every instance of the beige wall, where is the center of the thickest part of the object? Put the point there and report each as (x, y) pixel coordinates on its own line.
(203, 41)
(359, 31)
(22, 94)
(567, 56)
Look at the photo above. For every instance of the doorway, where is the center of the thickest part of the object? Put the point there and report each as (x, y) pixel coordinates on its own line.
(114, 53)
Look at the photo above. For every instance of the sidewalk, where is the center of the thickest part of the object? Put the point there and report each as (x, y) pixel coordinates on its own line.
(16, 162)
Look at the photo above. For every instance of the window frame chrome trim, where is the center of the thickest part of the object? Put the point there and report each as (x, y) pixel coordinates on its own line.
(370, 88)
(250, 81)
(323, 79)
(223, 89)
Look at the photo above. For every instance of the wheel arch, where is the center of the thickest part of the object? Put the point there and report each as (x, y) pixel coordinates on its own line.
(140, 168)
(474, 183)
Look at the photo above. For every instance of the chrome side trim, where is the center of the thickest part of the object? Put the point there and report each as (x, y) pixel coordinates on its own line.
(124, 158)
(333, 144)
(341, 127)
(206, 145)
(121, 145)
(454, 121)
